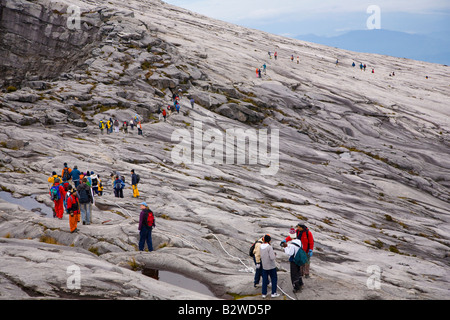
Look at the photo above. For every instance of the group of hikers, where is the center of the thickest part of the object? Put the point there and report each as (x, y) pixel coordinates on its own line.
(298, 246)
(116, 124)
(275, 55)
(77, 199)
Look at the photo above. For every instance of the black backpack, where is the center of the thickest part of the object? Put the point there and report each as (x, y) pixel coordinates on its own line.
(66, 174)
(83, 196)
(138, 178)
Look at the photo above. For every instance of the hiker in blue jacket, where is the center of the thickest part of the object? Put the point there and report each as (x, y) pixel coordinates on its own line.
(118, 187)
(75, 176)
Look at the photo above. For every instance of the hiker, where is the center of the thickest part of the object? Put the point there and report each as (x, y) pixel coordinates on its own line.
(177, 107)
(66, 173)
(101, 126)
(75, 175)
(118, 187)
(306, 237)
(86, 199)
(139, 127)
(257, 261)
(264, 68)
(353, 64)
(73, 209)
(94, 182)
(116, 126)
(100, 186)
(125, 127)
(134, 183)
(259, 73)
(164, 114)
(365, 67)
(192, 102)
(109, 126)
(275, 55)
(361, 66)
(146, 224)
(57, 194)
(291, 249)
(298, 59)
(159, 113)
(373, 70)
(269, 267)
(292, 57)
(52, 178)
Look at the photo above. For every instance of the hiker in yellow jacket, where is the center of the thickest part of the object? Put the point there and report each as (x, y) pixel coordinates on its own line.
(51, 179)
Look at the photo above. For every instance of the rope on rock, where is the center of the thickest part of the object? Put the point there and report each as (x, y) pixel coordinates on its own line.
(248, 269)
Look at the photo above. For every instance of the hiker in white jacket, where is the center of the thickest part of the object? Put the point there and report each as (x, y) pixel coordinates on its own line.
(291, 249)
(269, 267)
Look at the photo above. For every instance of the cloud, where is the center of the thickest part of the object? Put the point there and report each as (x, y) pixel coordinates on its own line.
(244, 10)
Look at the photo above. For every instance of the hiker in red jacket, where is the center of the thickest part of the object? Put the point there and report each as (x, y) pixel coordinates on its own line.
(58, 197)
(307, 240)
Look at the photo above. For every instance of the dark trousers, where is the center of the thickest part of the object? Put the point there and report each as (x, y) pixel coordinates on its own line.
(296, 276)
(118, 193)
(145, 236)
(258, 272)
(272, 273)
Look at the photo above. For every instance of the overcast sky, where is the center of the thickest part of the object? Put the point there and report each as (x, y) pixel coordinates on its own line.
(325, 17)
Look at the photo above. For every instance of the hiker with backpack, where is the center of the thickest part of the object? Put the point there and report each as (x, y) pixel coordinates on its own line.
(255, 253)
(292, 249)
(100, 186)
(269, 267)
(94, 182)
(146, 224)
(73, 209)
(66, 173)
(86, 199)
(57, 194)
(118, 187)
(52, 178)
(134, 182)
(305, 236)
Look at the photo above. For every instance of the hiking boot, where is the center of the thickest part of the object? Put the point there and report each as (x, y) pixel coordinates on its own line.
(263, 296)
(275, 295)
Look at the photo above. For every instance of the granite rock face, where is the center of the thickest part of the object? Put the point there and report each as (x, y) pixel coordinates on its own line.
(361, 158)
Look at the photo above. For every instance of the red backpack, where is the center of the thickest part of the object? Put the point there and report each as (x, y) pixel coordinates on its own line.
(150, 219)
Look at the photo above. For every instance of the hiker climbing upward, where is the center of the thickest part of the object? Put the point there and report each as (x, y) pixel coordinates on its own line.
(57, 194)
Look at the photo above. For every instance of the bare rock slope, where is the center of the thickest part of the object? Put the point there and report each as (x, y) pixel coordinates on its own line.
(363, 157)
